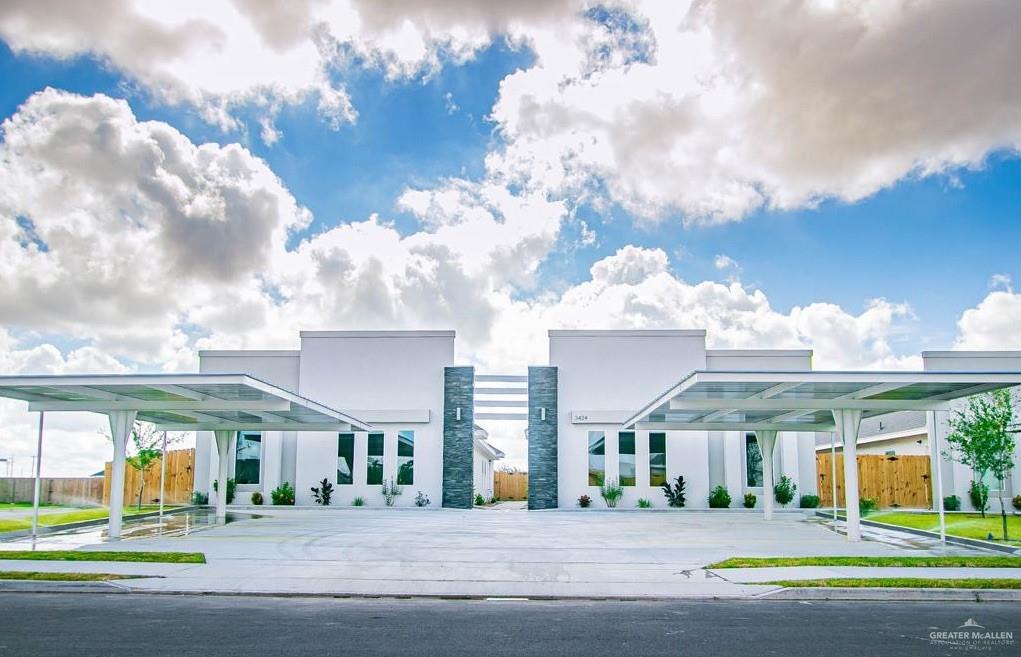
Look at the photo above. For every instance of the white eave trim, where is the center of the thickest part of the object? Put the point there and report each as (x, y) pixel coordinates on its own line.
(377, 334)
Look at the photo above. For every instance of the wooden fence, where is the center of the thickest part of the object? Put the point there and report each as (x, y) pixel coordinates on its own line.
(178, 484)
(901, 481)
(71, 491)
(510, 485)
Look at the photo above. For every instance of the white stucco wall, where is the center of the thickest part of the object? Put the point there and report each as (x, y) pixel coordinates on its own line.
(367, 373)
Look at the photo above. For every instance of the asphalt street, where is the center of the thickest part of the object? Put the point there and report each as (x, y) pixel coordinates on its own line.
(111, 625)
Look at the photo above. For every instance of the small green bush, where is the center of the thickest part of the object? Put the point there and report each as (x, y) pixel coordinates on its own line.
(784, 490)
(867, 505)
(493, 500)
(979, 494)
(809, 502)
(750, 500)
(257, 498)
(584, 501)
(1016, 502)
(358, 501)
(719, 498)
(199, 498)
(611, 492)
(952, 503)
(479, 500)
(674, 494)
(283, 495)
(644, 503)
(231, 487)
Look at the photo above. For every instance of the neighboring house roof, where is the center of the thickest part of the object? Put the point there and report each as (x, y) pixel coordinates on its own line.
(891, 423)
(488, 450)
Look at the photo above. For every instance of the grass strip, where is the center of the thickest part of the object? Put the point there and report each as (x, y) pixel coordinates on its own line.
(898, 562)
(62, 577)
(900, 583)
(97, 555)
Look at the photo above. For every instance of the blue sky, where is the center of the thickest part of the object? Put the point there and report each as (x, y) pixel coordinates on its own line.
(934, 242)
(533, 166)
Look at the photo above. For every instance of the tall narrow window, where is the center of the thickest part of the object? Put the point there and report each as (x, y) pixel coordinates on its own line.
(247, 457)
(596, 458)
(657, 459)
(626, 456)
(374, 463)
(405, 457)
(345, 458)
(752, 461)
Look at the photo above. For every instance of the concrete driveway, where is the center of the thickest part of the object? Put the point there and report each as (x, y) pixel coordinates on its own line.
(488, 552)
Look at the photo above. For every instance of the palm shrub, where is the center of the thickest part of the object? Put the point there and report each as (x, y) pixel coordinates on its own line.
(749, 500)
(784, 490)
(323, 493)
(674, 494)
(719, 498)
(611, 491)
(283, 495)
(809, 502)
(391, 491)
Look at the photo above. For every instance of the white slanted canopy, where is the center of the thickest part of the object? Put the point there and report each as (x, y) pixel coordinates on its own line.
(771, 402)
(221, 403)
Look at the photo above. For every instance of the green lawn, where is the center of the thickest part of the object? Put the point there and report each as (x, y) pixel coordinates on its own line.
(63, 518)
(903, 562)
(902, 583)
(19, 505)
(968, 525)
(61, 577)
(97, 555)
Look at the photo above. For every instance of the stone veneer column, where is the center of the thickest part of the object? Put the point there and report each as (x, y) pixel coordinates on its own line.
(542, 438)
(458, 436)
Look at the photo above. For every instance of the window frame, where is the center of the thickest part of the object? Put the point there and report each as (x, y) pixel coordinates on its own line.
(351, 464)
(594, 437)
(234, 461)
(410, 460)
(657, 434)
(621, 437)
(369, 456)
(746, 435)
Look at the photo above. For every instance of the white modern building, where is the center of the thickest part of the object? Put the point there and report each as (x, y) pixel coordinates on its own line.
(399, 382)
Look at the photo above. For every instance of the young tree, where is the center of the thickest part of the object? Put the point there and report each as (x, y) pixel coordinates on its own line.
(145, 450)
(982, 438)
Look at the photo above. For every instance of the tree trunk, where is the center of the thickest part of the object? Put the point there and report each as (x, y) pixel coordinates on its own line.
(1003, 514)
(141, 490)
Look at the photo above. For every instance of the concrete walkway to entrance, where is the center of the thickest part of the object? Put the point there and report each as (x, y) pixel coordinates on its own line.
(480, 552)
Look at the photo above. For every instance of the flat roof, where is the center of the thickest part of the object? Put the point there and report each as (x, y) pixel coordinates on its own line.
(722, 400)
(626, 333)
(756, 353)
(244, 353)
(181, 402)
(378, 334)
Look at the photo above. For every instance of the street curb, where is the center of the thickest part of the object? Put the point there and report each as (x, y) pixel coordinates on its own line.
(780, 595)
(894, 594)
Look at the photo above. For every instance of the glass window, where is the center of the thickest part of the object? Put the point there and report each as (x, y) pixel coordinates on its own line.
(596, 458)
(247, 457)
(374, 463)
(405, 457)
(346, 458)
(657, 459)
(752, 461)
(626, 456)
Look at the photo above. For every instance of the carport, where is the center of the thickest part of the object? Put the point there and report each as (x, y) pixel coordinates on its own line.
(221, 403)
(769, 403)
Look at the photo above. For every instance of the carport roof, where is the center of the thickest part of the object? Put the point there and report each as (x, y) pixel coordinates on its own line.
(724, 400)
(181, 402)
